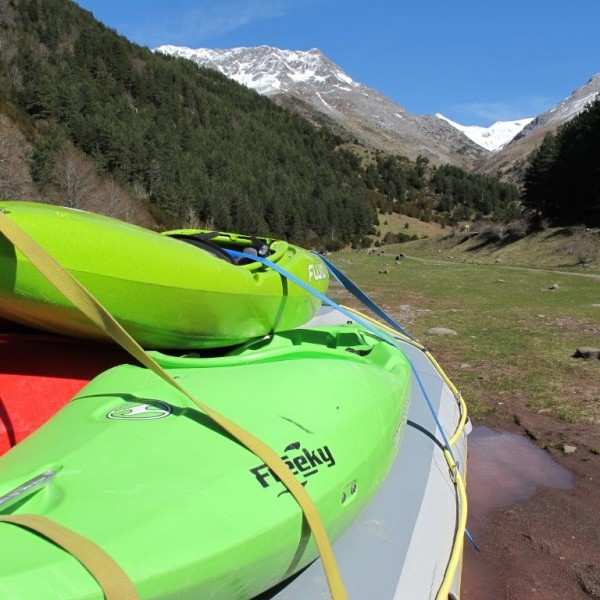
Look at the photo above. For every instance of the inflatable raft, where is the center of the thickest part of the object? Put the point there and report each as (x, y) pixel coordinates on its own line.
(317, 395)
(186, 511)
(408, 542)
(166, 292)
(40, 373)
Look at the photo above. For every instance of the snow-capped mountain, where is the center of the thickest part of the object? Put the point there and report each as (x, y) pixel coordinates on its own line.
(510, 161)
(570, 107)
(267, 70)
(495, 136)
(308, 82)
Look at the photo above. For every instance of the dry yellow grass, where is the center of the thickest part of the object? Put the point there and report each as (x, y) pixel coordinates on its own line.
(398, 224)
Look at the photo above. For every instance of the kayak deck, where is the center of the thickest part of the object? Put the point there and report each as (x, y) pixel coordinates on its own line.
(400, 546)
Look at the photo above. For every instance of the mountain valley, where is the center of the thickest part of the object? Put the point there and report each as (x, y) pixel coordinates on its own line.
(309, 83)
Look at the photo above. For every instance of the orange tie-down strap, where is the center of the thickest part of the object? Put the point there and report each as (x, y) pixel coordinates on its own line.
(87, 304)
(110, 577)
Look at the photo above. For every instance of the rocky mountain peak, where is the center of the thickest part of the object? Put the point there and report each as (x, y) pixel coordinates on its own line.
(565, 110)
(269, 70)
(510, 161)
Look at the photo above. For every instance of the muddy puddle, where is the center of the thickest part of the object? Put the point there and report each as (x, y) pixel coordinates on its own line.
(503, 469)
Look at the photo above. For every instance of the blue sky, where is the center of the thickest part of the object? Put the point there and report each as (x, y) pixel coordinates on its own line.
(475, 61)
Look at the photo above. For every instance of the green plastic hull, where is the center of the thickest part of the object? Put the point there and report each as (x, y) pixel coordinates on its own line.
(166, 293)
(186, 511)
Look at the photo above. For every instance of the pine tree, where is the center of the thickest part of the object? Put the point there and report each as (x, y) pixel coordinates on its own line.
(538, 195)
(562, 181)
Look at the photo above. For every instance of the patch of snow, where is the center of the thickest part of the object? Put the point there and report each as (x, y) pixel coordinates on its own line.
(572, 106)
(323, 101)
(303, 77)
(491, 138)
(344, 77)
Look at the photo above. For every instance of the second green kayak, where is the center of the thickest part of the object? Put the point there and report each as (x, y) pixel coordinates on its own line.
(166, 292)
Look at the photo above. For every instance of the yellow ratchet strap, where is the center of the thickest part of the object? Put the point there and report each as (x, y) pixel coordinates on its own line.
(454, 562)
(110, 577)
(87, 304)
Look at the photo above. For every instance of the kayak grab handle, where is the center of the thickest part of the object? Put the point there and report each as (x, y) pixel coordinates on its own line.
(26, 489)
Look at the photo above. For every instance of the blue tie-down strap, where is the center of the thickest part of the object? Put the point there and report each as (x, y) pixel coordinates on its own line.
(353, 317)
(360, 295)
(291, 277)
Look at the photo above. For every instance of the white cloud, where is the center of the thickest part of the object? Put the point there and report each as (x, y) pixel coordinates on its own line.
(224, 17)
(520, 107)
(199, 22)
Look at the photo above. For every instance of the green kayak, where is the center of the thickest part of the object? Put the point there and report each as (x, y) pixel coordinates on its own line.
(186, 511)
(169, 291)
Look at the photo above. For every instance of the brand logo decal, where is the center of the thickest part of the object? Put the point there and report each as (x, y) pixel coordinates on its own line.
(316, 271)
(136, 411)
(301, 461)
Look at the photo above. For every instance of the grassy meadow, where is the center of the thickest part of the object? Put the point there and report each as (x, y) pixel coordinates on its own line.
(515, 335)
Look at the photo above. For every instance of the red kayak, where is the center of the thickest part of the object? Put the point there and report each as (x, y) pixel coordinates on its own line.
(40, 372)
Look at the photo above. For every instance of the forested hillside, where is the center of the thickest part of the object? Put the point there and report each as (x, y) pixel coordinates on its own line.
(446, 194)
(195, 146)
(562, 181)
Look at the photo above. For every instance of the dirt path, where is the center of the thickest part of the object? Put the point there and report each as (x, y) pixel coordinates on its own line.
(498, 266)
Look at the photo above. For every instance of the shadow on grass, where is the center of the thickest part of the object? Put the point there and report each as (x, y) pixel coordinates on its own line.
(494, 241)
(563, 232)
